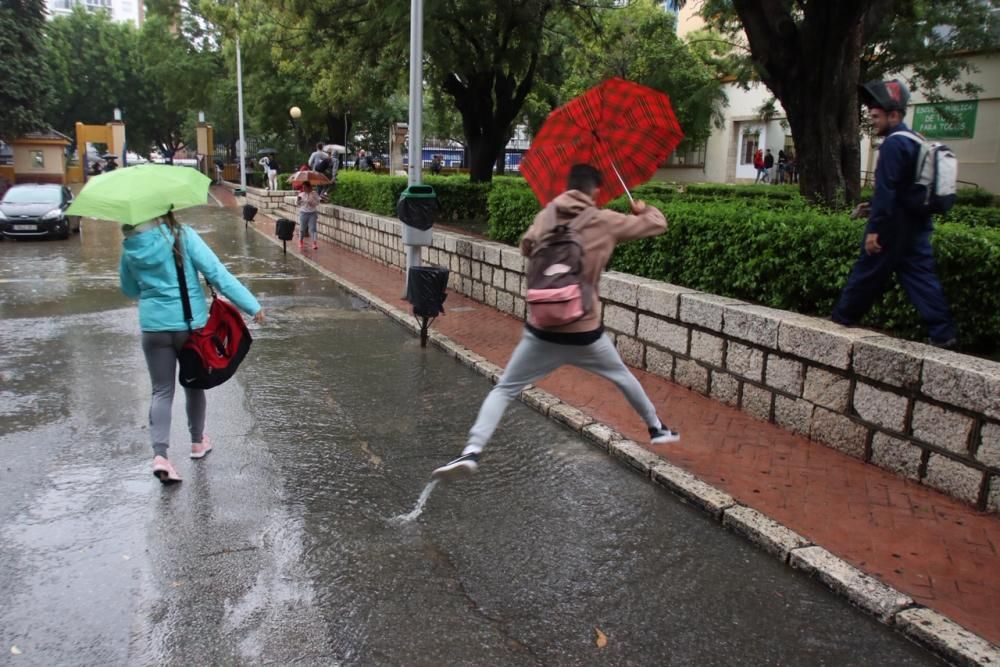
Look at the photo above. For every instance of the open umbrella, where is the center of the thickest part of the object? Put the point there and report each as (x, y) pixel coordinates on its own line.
(623, 129)
(267, 151)
(137, 194)
(335, 149)
(309, 176)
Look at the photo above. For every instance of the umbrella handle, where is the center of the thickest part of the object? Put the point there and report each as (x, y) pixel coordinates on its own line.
(622, 181)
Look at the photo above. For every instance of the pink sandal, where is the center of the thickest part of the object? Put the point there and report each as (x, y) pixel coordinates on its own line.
(201, 449)
(164, 471)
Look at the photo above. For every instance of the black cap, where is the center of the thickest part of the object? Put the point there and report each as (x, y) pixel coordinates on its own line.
(887, 95)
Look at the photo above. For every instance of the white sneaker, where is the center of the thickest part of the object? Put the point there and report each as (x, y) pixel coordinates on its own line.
(661, 435)
(462, 467)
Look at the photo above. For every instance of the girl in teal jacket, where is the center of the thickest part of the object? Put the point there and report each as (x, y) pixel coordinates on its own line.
(147, 271)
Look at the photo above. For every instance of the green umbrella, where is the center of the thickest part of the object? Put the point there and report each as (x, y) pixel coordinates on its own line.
(137, 194)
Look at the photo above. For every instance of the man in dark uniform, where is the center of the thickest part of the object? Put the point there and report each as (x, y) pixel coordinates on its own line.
(897, 240)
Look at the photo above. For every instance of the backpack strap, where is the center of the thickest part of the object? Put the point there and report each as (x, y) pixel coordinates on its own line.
(178, 254)
(912, 136)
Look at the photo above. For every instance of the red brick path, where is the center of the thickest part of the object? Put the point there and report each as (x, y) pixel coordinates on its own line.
(939, 551)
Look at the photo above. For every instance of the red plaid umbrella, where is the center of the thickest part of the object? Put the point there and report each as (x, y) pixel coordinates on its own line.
(623, 129)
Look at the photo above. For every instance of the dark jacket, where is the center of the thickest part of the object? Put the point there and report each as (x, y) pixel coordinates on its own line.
(894, 187)
(768, 161)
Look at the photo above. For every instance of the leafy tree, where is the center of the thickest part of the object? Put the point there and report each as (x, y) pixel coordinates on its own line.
(22, 70)
(94, 68)
(639, 42)
(812, 54)
(179, 61)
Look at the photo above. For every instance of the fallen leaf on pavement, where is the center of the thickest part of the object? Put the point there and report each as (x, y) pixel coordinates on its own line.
(15, 650)
(602, 639)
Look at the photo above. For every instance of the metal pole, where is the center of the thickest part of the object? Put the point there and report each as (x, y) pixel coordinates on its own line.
(416, 90)
(239, 104)
(416, 113)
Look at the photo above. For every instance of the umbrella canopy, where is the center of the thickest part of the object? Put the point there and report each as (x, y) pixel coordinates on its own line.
(109, 156)
(267, 151)
(335, 149)
(309, 176)
(623, 129)
(137, 194)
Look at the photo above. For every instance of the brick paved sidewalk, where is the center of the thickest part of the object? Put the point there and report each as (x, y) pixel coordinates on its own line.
(942, 553)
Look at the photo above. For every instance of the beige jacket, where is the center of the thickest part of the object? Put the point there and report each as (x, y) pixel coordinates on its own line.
(600, 234)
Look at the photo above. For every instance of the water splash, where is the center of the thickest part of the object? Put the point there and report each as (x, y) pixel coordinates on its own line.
(421, 501)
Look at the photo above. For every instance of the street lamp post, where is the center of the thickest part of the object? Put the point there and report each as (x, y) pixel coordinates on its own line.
(239, 103)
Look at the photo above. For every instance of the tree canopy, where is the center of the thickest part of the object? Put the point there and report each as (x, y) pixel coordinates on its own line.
(22, 70)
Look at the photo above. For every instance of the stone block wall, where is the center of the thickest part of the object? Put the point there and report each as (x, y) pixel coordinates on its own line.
(929, 415)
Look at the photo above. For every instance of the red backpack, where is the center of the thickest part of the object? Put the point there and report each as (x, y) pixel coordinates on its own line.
(211, 355)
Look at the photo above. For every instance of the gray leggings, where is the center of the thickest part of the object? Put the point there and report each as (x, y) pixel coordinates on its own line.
(161, 348)
(307, 225)
(534, 358)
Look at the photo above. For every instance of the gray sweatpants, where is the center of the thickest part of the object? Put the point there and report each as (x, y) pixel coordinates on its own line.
(307, 225)
(161, 350)
(533, 359)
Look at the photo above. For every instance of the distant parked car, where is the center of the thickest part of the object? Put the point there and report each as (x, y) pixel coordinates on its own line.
(37, 210)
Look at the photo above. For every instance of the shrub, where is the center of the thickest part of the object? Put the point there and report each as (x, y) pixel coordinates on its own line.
(458, 198)
(973, 216)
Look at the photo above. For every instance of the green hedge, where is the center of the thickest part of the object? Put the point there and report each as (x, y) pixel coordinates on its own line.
(459, 200)
(792, 259)
(973, 216)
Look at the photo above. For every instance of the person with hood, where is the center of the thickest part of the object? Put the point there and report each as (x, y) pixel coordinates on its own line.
(148, 271)
(897, 238)
(581, 343)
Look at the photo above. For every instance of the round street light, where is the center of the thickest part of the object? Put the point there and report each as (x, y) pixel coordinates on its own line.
(295, 113)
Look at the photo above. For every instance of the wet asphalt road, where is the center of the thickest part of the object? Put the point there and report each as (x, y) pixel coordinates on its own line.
(277, 548)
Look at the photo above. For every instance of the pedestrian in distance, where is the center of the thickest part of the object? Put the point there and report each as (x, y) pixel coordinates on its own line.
(270, 165)
(308, 202)
(364, 162)
(768, 165)
(148, 271)
(897, 238)
(317, 158)
(758, 164)
(581, 342)
(436, 165)
(782, 165)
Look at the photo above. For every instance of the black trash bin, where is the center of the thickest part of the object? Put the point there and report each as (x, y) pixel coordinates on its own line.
(284, 229)
(417, 206)
(426, 288)
(249, 212)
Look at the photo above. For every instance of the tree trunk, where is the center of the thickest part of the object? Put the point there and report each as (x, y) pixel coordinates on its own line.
(489, 102)
(812, 66)
(482, 158)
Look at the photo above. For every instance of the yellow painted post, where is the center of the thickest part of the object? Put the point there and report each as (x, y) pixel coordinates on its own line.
(116, 140)
(206, 141)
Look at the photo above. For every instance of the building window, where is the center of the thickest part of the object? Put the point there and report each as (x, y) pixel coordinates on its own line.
(687, 156)
(749, 145)
(37, 160)
(63, 4)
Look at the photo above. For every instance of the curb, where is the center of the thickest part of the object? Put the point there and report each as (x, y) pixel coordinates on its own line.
(932, 630)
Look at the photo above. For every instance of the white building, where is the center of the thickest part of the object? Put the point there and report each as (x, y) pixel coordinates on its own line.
(120, 10)
(972, 129)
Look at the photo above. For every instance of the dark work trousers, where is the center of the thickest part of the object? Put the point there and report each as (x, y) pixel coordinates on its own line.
(908, 253)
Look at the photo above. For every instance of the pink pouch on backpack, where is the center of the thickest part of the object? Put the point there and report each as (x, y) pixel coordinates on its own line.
(555, 307)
